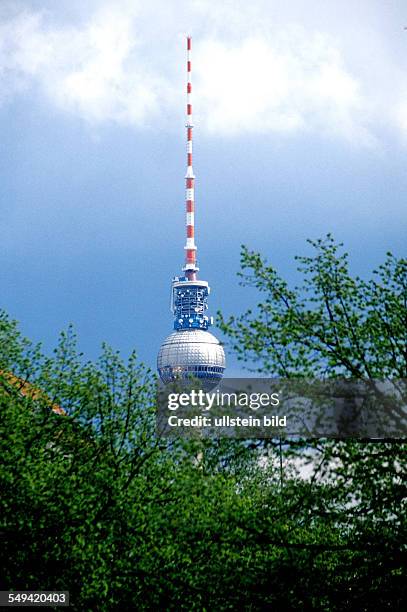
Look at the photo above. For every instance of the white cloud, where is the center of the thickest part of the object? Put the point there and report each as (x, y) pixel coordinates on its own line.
(258, 86)
(252, 73)
(93, 70)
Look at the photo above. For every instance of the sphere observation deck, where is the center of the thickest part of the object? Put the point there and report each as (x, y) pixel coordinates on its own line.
(190, 351)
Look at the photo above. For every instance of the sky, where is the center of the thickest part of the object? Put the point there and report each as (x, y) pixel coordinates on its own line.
(300, 113)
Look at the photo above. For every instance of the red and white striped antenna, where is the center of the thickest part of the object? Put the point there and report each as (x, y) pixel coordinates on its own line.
(190, 267)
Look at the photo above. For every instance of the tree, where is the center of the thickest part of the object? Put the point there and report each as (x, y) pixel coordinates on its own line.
(67, 481)
(333, 324)
(337, 325)
(94, 502)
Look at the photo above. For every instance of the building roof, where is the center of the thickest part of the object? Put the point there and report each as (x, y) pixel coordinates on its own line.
(27, 389)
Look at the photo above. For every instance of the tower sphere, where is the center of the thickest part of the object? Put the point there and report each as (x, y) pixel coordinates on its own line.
(191, 353)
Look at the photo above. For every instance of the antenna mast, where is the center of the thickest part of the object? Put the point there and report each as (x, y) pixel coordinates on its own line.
(190, 267)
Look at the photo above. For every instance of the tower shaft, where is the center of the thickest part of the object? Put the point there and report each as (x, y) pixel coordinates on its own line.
(190, 267)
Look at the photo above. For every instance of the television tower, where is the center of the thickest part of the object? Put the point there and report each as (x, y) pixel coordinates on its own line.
(190, 351)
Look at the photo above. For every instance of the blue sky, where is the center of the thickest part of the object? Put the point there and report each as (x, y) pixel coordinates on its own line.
(300, 129)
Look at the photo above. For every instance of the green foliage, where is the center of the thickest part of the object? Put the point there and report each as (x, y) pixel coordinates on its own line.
(93, 502)
(336, 325)
(332, 324)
